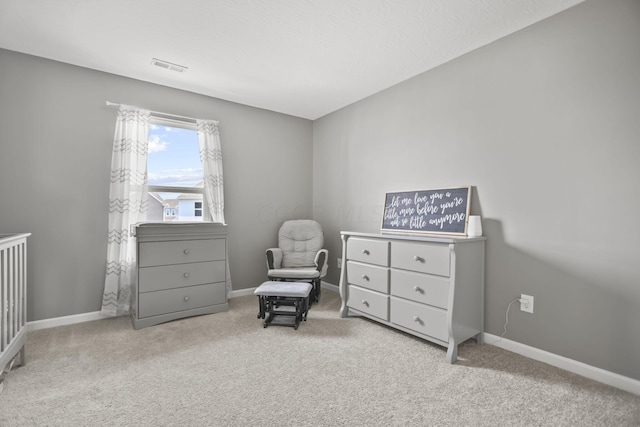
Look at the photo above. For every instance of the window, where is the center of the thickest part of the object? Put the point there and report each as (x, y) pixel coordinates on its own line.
(174, 171)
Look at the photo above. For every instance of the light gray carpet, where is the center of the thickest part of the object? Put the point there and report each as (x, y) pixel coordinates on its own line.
(226, 370)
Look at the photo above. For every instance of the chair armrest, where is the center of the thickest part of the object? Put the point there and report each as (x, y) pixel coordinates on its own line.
(322, 261)
(274, 258)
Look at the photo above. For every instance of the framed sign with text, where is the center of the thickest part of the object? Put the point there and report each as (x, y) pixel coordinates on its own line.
(427, 211)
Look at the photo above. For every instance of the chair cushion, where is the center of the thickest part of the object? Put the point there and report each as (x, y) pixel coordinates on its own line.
(284, 289)
(294, 273)
(300, 241)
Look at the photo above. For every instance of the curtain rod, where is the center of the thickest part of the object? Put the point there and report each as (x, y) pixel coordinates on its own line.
(164, 115)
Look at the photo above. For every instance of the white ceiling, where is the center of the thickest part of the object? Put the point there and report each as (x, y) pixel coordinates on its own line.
(306, 58)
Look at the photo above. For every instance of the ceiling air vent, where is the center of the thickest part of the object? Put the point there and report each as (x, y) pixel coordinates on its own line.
(168, 65)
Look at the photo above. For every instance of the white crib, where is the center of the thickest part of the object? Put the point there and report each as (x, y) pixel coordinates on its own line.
(13, 299)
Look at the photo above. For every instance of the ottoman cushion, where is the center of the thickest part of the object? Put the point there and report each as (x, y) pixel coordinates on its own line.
(284, 289)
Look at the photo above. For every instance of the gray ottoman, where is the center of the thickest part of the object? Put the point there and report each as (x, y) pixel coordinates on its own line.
(272, 295)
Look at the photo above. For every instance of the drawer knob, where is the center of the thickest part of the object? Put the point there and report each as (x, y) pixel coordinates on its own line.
(186, 275)
(186, 298)
(365, 302)
(417, 289)
(416, 319)
(365, 277)
(365, 251)
(418, 258)
(186, 251)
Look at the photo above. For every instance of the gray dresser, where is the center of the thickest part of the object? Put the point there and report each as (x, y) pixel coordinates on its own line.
(181, 272)
(430, 287)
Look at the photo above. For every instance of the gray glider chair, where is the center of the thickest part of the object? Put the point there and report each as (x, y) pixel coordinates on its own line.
(299, 256)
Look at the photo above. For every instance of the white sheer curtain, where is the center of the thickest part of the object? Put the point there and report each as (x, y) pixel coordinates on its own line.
(211, 157)
(128, 203)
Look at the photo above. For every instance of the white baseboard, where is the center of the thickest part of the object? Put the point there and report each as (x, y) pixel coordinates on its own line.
(606, 377)
(64, 320)
(331, 287)
(241, 292)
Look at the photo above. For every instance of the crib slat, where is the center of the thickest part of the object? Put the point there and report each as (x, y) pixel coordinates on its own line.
(21, 297)
(12, 290)
(3, 299)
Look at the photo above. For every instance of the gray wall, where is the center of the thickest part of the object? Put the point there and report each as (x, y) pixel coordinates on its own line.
(56, 136)
(545, 124)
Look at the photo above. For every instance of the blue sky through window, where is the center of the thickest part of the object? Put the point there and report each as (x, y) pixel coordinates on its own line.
(173, 158)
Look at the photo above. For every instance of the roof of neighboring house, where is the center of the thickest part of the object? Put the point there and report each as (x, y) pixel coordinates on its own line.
(190, 196)
(171, 203)
(157, 197)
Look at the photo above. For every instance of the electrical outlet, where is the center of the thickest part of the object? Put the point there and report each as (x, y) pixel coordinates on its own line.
(526, 303)
(339, 262)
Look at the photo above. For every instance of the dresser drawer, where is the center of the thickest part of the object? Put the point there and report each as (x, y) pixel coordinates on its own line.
(180, 299)
(181, 251)
(366, 250)
(420, 287)
(430, 258)
(421, 318)
(370, 302)
(368, 276)
(180, 275)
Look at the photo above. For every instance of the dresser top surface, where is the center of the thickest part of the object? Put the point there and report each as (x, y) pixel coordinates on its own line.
(180, 224)
(415, 237)
(180, 229)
